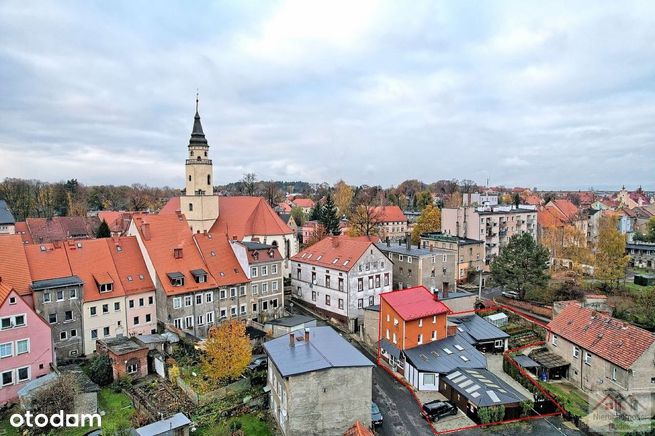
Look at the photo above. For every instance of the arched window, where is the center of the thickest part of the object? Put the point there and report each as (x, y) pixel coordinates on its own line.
(205, 154)
(189, 177)
(209, 179)
(190, 207)
(191, 152)
(199, 158)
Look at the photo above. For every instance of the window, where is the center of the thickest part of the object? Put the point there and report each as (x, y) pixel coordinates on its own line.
(313, 277)
(209, 317)
(188, 300)
(370, 282)
(313, 295)
(6, 350)
(327, 300)
(614, 373)
(264, 270)
(151, 300)
(132, 367)
(420, 322)
(200, 320)
(105, 308)
(274, 286)
(19, 320)
(243, 309)
(420, 339)
(117, 306)
(395, 339)
(68, 315)
(177, 302)
(188, 322)
(7, 378)
(106, 287)
(387, 333)
(386, 279)
(401, 257)
(576, 352)
(199, 299)
(409, 259)
(587, 358)
(371, 300)
(428, 379)
(209, 297)
(136, 320)
(554, 341)
(274, 302)
(73, 333)
(105, 331)
(264, 288)
(209, 179)
(233, 292)
(12, 321)
(327, 281)
(242, 290)
(274, 268)
(52, 318)
(253, 271)
(73, 294)
(255, 289)
(223, 313)
(60, 295)
(434, 335)
(360, 284)
(94, 334)
(46, 297)
(131, 303)
(63, 335)
(142, 302)
(223, 294)
(233, 310)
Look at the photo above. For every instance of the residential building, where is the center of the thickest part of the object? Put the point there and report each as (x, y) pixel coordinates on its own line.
(632, 199)
(470, 253)
(339, 276)
(185, 290)
(118, 221)
(14, 269)
(605, 354)
(371, 329)
(7, 220)
(58, 296)
(290, 221)
(495, 225)
(642, 254)
(431, 267)
(477, 199)
(26, 349)
(391, 222)
(103, 305)
(128, 356)
(263, 264)
(307, 374)
(233, 298)
(306, 204)
(60, 228)
(140, 300)
(458, 300)
(559, 213)
(312, 231)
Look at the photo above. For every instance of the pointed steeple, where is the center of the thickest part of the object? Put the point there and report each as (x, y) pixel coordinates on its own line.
(197, 135)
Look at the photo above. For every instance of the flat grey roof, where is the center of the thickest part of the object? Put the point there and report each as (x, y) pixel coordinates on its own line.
(325, 349)
(453, 294)
(478, 328)
(291, 320)
(390, 348)
(444, 237)
(413, 250)
(445, 355)
(374, 308)
(525, 361)
(482, 387)
(39, 285)
(164, 426)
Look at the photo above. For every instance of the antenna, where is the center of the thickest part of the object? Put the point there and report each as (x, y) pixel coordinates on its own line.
(197, 95)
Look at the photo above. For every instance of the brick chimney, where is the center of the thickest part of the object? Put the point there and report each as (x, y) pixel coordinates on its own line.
(292, 340)
(145, 229)
(306, 334)
(451, 330)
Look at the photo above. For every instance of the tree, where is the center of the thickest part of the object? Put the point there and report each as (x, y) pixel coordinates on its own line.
(54, 397)
(567, 242)
(364, 220)
(103, 230)
(649, 234)
(455, 200)
(429, 221)
(272, 193)
(521, 265)
(423, 199)
(343, 197)
(227, 352)
(611, 259)
(298, 215)
(516, 199)
(248, 184)
(315, 213)
(100, 370)
(329, 218)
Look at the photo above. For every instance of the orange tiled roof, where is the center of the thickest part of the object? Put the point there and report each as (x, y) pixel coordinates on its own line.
(286, 208)
(613, 340)
(14, 269)
(24, 232)
(532, 199)
(167, 233)
(91, 261)
(358, 430)
(303, 202)
(49, 262)
(334, 252)
(220, 259)
(547, 218)
(5, 290)
(130, 265)
(566, 207)
(414, 303)
(387, 214)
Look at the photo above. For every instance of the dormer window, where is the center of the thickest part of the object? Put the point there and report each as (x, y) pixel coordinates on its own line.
(106, 287)
(104, 282)
(199, 275)
(176, 278)
(177, 252)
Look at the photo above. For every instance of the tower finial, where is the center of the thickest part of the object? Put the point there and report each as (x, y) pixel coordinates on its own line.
(197, 94)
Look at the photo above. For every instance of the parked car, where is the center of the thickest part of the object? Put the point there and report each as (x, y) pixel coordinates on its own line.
(259, 363)
(437, 409)
(510, 294)
(376, 415)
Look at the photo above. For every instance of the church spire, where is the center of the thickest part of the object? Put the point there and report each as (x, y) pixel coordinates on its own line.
(197, 135)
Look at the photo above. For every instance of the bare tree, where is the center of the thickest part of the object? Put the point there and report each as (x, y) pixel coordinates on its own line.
(249, 184)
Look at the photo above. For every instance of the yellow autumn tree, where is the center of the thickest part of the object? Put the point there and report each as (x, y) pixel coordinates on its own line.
(227, 352)
(428, 221)
(567, 242)
(455, 200)
(611, 259)
(343, 197)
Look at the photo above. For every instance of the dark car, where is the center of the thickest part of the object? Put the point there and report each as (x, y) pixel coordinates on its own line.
(376, 415)
(259, 363)
(438, 409)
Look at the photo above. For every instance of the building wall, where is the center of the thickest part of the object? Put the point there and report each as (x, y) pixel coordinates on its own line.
(204, 213)
(407, 332)
(115, 320)
(40, 355)
(468, 257)
(434, 271)
(7, 229)
(120, 362)
(267, 290)
(371, 326)
(71, 346)
(142, 311)
(287, 245)
(642, 255)
(461, 304)
(313, 403)
(394, 230)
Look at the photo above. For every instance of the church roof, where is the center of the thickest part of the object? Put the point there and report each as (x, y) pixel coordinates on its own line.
(197, 134)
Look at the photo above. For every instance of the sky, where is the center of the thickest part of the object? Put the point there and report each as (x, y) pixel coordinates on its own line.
(553, 95)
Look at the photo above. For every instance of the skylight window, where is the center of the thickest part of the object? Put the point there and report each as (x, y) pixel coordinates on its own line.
(213, 253)
(464, 358)
(310, 256)
(346, 263)
(335, 260)
(319, 257)
(459, 347)
(447, 351)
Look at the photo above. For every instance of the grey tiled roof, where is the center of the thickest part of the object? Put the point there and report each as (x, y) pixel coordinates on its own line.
(6, 217)
(325, 349)
(482, 387)
(445, 355)
(478, 328)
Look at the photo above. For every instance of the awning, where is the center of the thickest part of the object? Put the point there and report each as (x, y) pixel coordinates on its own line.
(175, 275)
(525, 361)
(390, 348)
(548, 359)
(198, 272)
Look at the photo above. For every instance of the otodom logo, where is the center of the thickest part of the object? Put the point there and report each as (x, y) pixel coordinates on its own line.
(56, 420)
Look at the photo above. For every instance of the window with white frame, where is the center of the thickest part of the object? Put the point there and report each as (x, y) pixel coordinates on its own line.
(242, 290)
(274, 268)
(264, 270)
(223, 294)
(198, 298)
(200, 320)
(264, 288)
(7, 378)
(46, 297)
(420, 322)
(188, 300)
(434, 335)
(253, 271)
(188, 322)
(223, 313)
(210, 317)
(22, 346)
(420, 339)
(6, 350)
(177, 302)
(576, 352)
(587, 358)
(209, 297)
(23, 374)
(274, 286)
(233, 292)
(178, 323)
(554, 340)
(255, 289)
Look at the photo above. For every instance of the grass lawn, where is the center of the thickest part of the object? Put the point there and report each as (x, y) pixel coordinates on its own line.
(570, 398)
(251, 425)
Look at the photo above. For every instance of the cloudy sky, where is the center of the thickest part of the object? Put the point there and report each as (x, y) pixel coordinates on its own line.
(546, 94)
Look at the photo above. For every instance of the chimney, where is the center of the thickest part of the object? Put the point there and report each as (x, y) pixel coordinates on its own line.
(451, 330)
(388, 242)
(444, 293)
(408, 242)
(145, 229)
(306, 334)
(292, 340)
(335, 241)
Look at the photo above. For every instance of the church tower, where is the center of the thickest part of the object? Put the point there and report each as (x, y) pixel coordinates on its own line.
(199, 204)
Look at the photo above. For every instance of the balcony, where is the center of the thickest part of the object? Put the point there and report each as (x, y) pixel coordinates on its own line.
(199, 161)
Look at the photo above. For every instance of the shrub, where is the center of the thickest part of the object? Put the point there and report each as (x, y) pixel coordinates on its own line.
(100, 370)
(491, 414)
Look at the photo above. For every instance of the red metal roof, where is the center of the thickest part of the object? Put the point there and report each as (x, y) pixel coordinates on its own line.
(414, 303)
(614, 340)
(334, 252)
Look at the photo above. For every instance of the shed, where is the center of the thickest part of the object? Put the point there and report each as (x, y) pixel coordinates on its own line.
(287, 324)
(644, 279)
(176, 425)
(498, 319)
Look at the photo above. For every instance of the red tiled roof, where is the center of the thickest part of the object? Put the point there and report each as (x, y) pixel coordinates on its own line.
(303, 202)
(241, 216)
(333, 252)
(261, 255)
(566, 208)
(60, 228)
(14, 269)
(414, 303)
(358, 430)
(168, 232)
(547, 218)
(613, 340)
(286, 208)
(91, 261)
(220, 259)
(532, 199)
(118, 221)
(24, 232)
(49, 263)
(130, 265)
(387, 214)
(5, 290)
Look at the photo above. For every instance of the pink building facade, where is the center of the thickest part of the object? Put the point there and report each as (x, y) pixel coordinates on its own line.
(141, 313)
(26, 349)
